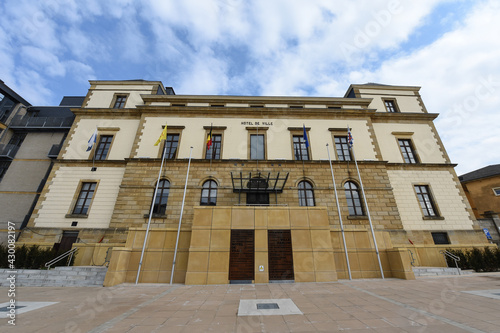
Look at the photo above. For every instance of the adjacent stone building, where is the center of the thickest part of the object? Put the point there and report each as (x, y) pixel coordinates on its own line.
(29, 142)
(260, 204)
(482, 188)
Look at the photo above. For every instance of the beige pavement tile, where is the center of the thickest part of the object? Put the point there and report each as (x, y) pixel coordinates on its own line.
(327, 326)
(318, 317)
(183, 313)
(197, 329)
(142, 329)
(177, 321)
(402, 322)
(351, 324)
(220, 329)
(224, 320)
(167, 329)
(301, 327)
(162, 314)
(376, 323)
(389, 330)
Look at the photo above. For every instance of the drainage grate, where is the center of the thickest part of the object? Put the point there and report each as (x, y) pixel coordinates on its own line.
(266, 306)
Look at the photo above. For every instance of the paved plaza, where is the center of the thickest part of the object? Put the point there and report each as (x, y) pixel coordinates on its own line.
(468, 303)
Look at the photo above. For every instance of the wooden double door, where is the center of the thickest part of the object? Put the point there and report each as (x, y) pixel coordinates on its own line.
(279, 247)
(242, 255)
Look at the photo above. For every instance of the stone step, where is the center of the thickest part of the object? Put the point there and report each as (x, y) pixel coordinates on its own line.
(437, 271)
(59, 276)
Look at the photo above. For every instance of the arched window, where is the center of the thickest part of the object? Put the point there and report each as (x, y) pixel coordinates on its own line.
(209, 193)
(353, 199)
(161, 198)
(306, 194)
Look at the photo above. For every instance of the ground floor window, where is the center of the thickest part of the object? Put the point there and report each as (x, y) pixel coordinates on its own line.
(440, 238)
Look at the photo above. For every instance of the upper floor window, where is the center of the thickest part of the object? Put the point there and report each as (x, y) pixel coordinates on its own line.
(257, 147)
(103, 147)
(407, 150)
(214, 152)
(209, 193)
(300, 151)
(426, 201)
(353, 197)
(4, 165)
(84, 198)
(160, 204)
(17, 139)
(390, 105)
(306, 194)
(496, 191)
(120, 101)
(342, 146)
(171, 145)
(6, 107)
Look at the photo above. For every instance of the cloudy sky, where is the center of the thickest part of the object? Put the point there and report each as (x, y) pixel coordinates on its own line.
(451, 49)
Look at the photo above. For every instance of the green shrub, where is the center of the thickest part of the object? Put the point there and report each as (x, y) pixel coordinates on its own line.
(464, 259)
(489, 258)
(32, 257)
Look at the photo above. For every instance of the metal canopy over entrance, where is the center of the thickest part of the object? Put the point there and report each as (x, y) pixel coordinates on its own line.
(258, 182)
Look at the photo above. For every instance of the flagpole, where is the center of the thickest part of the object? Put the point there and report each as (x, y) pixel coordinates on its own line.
(180, 218)
(257, 148)
(211, 144)
(340, 215)
(151, 212)
(93, 155)
(367, 210)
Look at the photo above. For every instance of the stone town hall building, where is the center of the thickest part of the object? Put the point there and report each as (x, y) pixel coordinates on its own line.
(260, 205)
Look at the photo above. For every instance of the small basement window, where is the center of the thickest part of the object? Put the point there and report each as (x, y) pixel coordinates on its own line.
(440, 238)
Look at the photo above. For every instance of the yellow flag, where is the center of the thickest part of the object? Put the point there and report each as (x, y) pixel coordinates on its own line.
(163, 136)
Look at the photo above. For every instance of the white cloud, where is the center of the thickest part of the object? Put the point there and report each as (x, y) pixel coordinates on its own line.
(459, 78)
(43, 60)
(280, 47)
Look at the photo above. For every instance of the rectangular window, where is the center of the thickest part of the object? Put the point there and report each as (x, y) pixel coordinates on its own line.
(257, 147)
(171, 143)
(390, 105)
(300, 151)
(215, 149)
(4, 165)
(440, 238)
(342, 147)
(84, 198)
(496, 191)
(17, 139)
(120, 101)
(426, 201)
(407, 150)
(6, 107)
(103, 147)
(257, 198)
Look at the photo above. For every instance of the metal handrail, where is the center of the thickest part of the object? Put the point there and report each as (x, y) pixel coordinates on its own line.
(452, 256)
(62, 256)
(412, 259)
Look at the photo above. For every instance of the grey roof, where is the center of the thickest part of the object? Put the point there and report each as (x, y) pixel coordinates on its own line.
(75, 101)
(489, 171)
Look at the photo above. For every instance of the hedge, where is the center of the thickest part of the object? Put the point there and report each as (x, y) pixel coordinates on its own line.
(486, 260)
(32, 257)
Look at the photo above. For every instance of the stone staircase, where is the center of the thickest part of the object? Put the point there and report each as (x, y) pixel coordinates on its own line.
(64, 276)
(437, 271)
